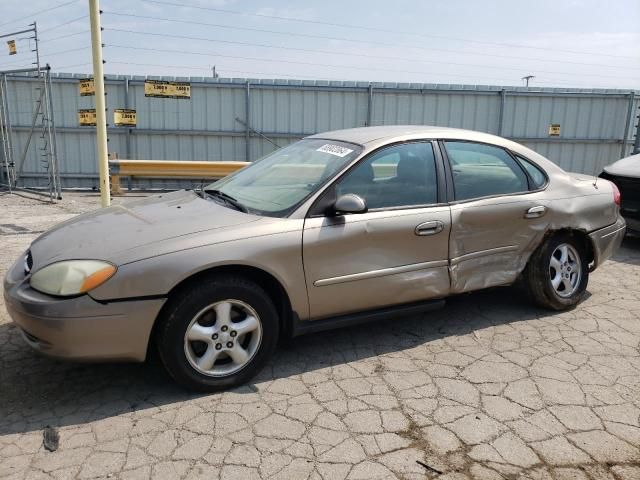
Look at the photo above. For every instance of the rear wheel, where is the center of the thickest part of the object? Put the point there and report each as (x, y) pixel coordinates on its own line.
(558, 272)
(218, 334)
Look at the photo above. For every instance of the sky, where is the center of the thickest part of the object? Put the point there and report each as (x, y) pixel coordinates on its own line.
(562, 43)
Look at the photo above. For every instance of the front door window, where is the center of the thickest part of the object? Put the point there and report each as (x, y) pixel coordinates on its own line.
(398, 176)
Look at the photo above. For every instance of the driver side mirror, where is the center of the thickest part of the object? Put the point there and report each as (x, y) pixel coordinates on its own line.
(350, 203)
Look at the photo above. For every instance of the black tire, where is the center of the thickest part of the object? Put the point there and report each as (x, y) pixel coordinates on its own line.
(185, 305)
(537, 274)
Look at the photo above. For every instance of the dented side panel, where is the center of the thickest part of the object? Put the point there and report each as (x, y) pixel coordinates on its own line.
(492, 239)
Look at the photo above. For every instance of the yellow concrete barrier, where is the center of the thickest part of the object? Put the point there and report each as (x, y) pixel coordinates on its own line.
(168, 169)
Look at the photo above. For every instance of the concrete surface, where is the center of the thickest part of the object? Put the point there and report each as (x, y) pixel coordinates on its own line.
(489, 387)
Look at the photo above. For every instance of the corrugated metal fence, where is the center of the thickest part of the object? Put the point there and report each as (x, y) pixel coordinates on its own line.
(596, 126)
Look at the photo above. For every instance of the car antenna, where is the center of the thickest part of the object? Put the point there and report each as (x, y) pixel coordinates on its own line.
(595, 182)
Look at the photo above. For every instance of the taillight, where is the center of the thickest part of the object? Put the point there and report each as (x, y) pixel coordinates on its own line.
(617, 198)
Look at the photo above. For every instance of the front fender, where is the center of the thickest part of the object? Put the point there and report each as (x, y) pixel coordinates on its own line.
(278, 254)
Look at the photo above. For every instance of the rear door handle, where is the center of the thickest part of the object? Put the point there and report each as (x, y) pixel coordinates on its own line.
(429, 228)
(535, 212)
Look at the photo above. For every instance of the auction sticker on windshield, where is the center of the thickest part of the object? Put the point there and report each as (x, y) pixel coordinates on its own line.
(336, 150)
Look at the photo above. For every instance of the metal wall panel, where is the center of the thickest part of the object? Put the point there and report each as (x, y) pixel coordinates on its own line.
(475, 112)
(586, 158)
(599, 117)
(306, 111)
(210, 126)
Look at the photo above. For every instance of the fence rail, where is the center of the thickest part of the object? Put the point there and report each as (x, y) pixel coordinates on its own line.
(168, 169)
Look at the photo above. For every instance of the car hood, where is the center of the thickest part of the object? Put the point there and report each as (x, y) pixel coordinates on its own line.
(110, 233)
(625, 167)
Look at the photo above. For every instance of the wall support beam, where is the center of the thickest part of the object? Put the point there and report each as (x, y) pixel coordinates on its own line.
(247, 126)
(503, 99)
(127, 144)
(627, 123)
(369, 105)
(636, 143)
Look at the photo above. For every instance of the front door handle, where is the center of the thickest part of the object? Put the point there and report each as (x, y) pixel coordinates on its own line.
(535, 212)
(429, 228)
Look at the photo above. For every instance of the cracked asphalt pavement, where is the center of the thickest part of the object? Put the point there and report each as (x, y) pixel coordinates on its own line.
(489, 387)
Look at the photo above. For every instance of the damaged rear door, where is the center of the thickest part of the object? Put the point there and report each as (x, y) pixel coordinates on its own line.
(498, 215)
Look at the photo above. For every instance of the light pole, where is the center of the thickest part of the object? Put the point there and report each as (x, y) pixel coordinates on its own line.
(527, 78)
(101, 112)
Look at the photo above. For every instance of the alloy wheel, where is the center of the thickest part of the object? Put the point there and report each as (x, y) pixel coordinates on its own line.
(565, 270)
(222, 338)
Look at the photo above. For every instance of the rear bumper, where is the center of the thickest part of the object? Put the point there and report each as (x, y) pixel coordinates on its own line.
(80, 328)
(606, 241)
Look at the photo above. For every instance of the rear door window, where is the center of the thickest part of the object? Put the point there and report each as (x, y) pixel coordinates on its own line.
(481, 170)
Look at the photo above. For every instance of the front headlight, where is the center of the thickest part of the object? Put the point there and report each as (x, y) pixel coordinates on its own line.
(72, 277)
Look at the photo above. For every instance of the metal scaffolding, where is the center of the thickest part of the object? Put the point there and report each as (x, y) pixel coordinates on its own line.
(42, 123)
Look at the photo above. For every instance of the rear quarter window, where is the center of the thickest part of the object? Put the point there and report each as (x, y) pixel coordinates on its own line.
(537, 175)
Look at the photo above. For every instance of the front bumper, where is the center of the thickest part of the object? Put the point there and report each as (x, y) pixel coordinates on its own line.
(79, 328)
(606, 241)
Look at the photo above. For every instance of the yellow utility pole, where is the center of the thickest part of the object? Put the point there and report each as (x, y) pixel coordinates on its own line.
(101, 113)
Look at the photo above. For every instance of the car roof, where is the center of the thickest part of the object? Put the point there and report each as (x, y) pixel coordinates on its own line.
(365, 135)
(374, 137)
(625, 167)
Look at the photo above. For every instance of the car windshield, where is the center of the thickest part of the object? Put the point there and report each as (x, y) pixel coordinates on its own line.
(277, 183)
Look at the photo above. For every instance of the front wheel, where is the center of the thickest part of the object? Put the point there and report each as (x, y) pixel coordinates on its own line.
(217, 334)
(558, 272)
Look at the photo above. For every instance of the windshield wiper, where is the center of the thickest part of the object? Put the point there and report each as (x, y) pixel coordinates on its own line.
(227, 199)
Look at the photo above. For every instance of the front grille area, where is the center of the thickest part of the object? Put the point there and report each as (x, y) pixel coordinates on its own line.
(28, 262)
(630, 192)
